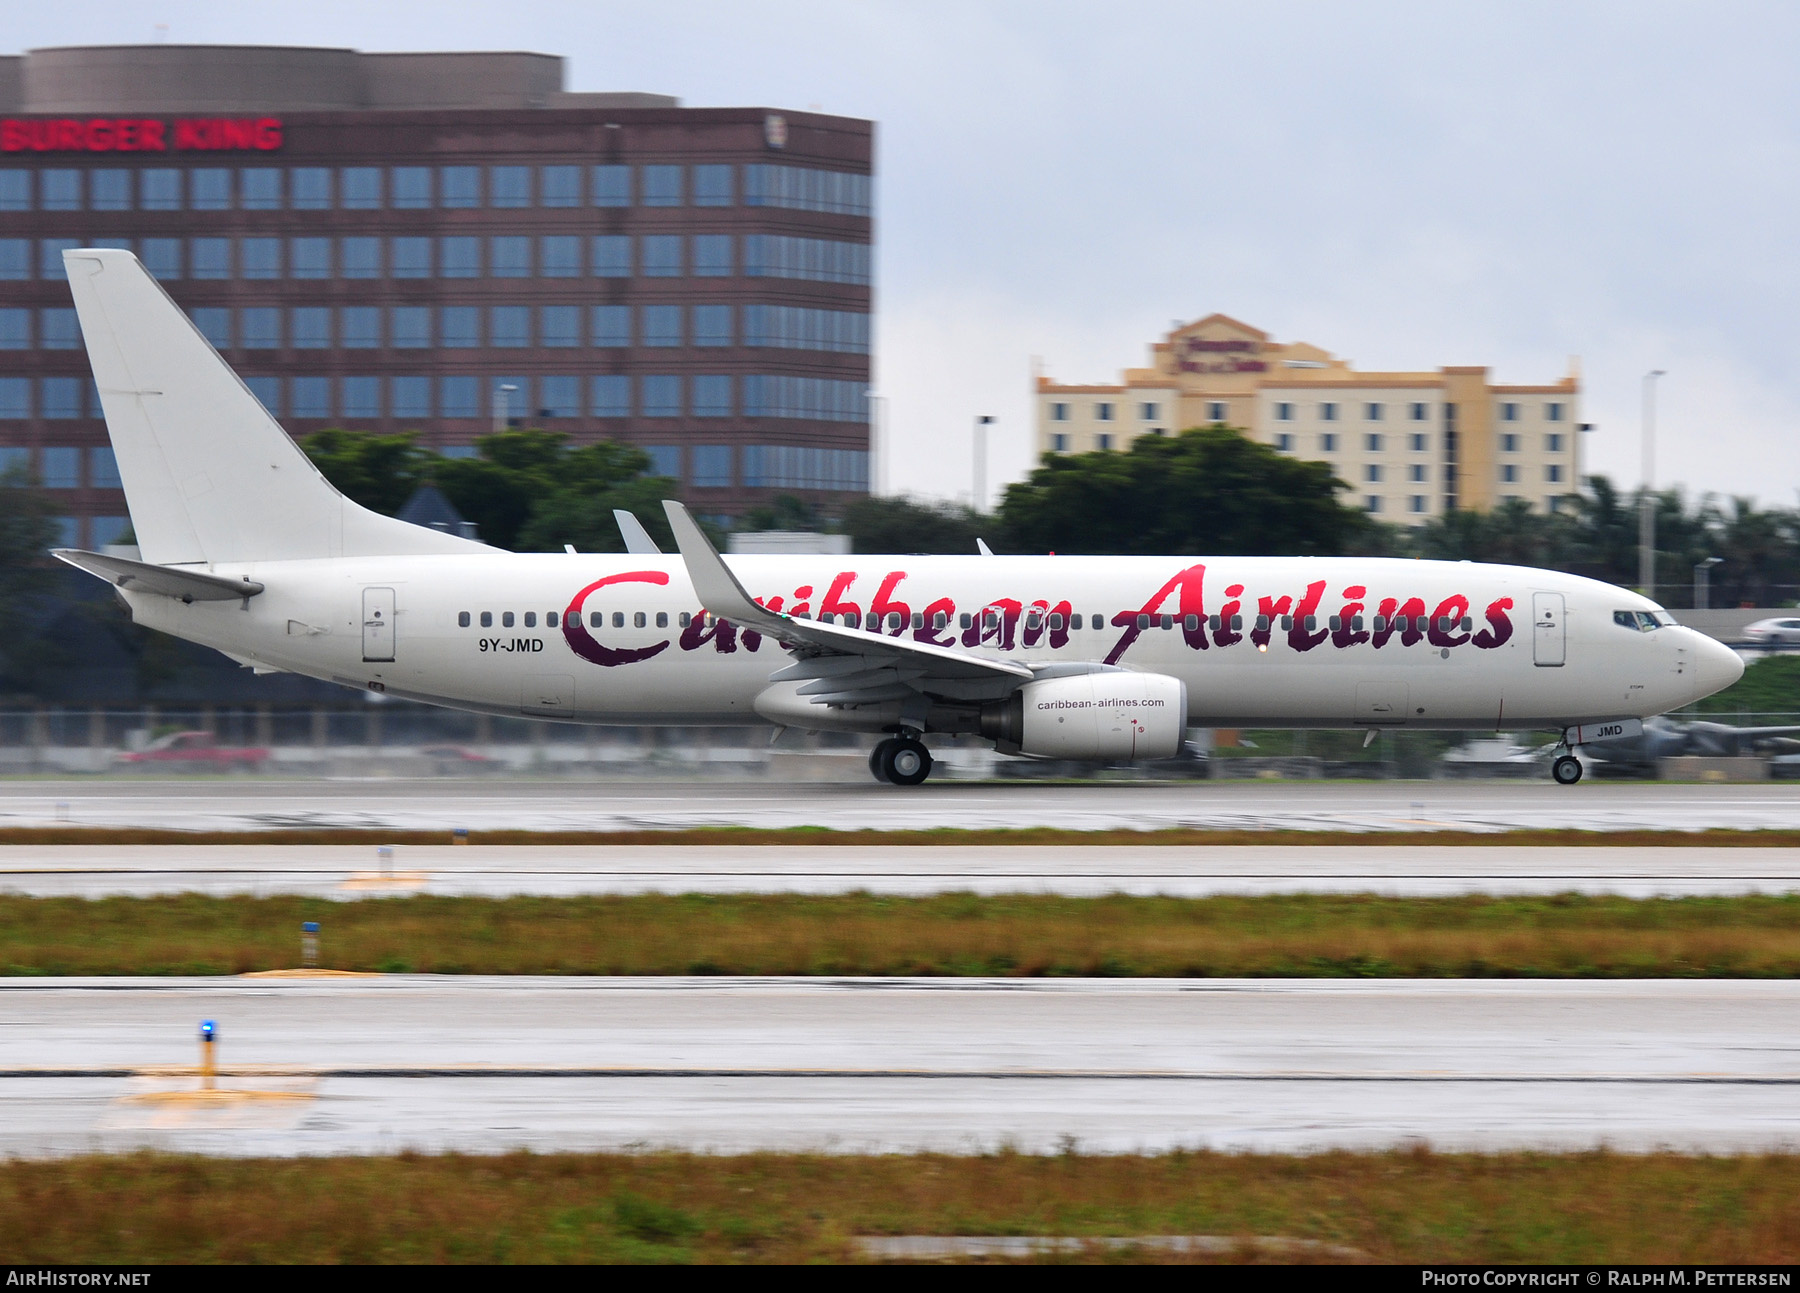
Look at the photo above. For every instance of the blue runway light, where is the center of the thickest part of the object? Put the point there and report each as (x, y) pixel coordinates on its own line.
(310, 927)
(208, 1029)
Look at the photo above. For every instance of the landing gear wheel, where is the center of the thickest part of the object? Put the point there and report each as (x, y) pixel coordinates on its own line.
(908, 763)
(878, 759)
(1566, 770)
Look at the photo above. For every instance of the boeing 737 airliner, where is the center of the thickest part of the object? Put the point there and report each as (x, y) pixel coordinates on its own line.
(246, 548)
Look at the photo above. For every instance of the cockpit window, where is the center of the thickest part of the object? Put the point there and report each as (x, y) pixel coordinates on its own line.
(1642, 621)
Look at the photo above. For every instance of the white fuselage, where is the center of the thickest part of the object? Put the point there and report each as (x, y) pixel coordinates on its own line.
(1483, 647)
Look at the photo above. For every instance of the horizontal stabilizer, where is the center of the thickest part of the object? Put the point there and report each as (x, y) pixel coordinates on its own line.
(165, 581)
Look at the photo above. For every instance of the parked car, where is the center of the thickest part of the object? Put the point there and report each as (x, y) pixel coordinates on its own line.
(1776, 632)
(196, 750)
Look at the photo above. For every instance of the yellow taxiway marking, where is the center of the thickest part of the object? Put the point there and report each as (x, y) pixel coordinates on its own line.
(386, 879)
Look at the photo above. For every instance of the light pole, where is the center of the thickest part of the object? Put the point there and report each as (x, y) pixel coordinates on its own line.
(981, 425)
(1647, 500)
(503, 405)
(1703, 582)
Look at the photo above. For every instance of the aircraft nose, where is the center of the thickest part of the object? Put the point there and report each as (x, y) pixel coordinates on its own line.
(1716, 666)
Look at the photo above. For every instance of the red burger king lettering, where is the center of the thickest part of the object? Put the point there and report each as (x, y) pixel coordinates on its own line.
(139, 134)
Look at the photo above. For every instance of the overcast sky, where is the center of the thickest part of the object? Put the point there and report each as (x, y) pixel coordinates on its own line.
(1406, 185)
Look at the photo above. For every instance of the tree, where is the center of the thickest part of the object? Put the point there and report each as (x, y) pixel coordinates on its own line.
(379, 471)
(908, 525)
(27, 532)
(1211, 490)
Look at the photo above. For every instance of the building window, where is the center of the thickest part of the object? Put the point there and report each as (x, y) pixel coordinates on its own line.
(512, 256)
(1059, 412)
(209, 258)
(662, 255)
(103, 468)
(310, 327)
(559, 325)
(1509, 443)
(460, 185)
(1372, 473)
(662, 325)
(109, 190)
(1215, 411)
(311, 190)
(459, 397)
(662, 186)
(61, 397)
(259, 188)
(412, 327)
(561, 186)
(15, 259)
(612, 325)
(362, 257)
(1328, 412)
(412, 397)
(62, 468)
(1416, 472)
(1284, 412)
(712, 466)
(1371, 502)
(15, 402)
(261, 327)
(51, 249)
(462, 257)
(820, 260)
(1103, 441)
(15, 328)
(459, 327)
(1509, 412)
(1328, 442)
(1419, 442)
(1372, 442)
(362, 397)
(1553, 473)
(712, 325)
(1419, 412)
(612, 396)
(1509, 473)
(159, 189)
(612, 255)
(1553, 413)
(561, 256)
(15, 190)
(214, 323)
(665, 460)
(412, 257)
(1284, 442)
(362, 327)
(1417, 503)
(712, 396)
(511, 186)
(1059, 443)
(1148, 412)
(362, 188)
(261, 257)
(412, 188)
(58, 329)
(612, 186)
(712, 185)
(309, 257)
(60, 190)
(312, 397)
(1103, 412)
(1374, 412)
(511, 326)
(805, 189)
(662, 396)
(712, 255)
(560, 395)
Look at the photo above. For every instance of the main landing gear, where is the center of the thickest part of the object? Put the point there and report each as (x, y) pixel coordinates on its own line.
(900, 761)
(1566, 770)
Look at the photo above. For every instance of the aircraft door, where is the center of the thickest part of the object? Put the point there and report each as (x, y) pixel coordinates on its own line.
(1548, 642)
(378, 625)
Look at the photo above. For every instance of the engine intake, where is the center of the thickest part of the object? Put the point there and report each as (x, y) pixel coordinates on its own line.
(1116, 716)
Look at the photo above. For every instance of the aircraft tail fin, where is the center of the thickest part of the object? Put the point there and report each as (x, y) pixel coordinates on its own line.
(209, 475)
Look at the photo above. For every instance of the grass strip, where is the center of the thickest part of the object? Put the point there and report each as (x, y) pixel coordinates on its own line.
(957, 934)
(822, 836)
(1401, 1206)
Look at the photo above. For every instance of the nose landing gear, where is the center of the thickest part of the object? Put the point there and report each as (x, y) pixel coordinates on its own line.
(900, 761)
(1566, 770)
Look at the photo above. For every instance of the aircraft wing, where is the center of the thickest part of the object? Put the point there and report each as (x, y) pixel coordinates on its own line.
(168, 581)
(839, 665)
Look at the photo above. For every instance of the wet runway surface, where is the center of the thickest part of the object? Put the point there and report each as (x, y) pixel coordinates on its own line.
(485, 1065)
(447, 804)
(359, 871)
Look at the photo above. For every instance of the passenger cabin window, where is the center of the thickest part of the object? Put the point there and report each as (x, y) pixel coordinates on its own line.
(506, 619)
(530, 619)
(462, 619)
(487, 619)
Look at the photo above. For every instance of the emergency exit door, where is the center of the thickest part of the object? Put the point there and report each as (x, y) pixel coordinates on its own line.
(378, 624)
(1547, 633)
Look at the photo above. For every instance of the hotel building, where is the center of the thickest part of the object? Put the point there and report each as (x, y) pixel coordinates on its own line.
(1410, 446)
(440, 244)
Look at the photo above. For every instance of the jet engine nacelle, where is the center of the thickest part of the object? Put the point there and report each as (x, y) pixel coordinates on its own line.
(1115, 715)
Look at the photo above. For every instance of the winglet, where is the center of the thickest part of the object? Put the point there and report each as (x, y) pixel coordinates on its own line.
(718, 589)
(637, 538)
(982, 547)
